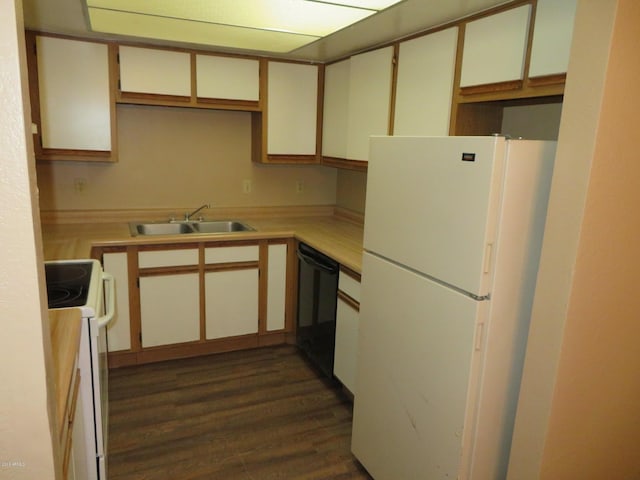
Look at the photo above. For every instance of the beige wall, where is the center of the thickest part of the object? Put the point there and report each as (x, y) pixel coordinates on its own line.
(178, 157)
(351, 190)
(595, 418)
(579, 405)
(534, 122)
(26, 432)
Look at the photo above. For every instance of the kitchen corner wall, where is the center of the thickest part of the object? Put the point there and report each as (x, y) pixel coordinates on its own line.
(351, 190)
(180, 157)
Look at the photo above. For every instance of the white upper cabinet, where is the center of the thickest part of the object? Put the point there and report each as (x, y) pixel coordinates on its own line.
(292, 99)
(494, 47)
(552, 35)
(369, 100)
(154, 71)
(75, 105)
(227, 78)
(335, 119)
(426, 67)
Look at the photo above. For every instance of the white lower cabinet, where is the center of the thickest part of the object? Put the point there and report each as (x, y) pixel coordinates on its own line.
(346, 350)
(231, 291)
(169, 309)
(169, 297)
(231, 299)
(195, 293)
(347, 320)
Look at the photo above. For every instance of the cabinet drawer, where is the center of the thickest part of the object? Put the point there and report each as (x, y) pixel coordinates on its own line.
(349, 285)
(244, 253)
(167, 258)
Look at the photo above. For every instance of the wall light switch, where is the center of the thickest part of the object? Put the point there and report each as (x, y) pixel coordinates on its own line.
(299, 186)
(246, 185)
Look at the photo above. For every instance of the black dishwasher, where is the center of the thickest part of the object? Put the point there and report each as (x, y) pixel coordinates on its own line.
(317, 291)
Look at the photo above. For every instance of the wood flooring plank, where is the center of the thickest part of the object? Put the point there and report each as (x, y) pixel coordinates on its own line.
(248, 415)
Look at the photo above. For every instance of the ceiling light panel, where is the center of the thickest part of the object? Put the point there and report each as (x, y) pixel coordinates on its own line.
(229, 23)
(370, 4)
(184, 31)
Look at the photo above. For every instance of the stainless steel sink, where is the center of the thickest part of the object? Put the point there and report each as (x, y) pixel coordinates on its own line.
(221, 226)
(183, 228)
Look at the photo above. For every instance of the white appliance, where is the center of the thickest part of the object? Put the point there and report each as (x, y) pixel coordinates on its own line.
(83, 284)
(452, 238)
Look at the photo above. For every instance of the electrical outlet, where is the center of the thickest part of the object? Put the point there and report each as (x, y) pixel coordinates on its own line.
(246, 185)
(79, 185)
(299, 186)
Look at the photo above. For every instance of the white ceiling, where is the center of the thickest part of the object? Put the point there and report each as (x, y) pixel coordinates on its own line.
(410, 16)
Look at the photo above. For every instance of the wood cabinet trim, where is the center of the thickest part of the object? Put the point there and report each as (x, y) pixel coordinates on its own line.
(491, 87)
(161, 271)
(394, 84)
(226, 267)
(263, 287)
(135, 325)
(351, 273)
(545, 80)
(349, 301)
(357, 165)
(286, 159)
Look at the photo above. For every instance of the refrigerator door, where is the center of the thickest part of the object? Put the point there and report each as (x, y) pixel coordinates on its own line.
(432, 205)
(418, 358)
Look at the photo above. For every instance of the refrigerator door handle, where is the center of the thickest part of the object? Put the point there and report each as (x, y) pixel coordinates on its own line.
(479, 336)
(488, 251)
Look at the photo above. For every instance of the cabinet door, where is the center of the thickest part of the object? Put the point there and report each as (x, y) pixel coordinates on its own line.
(553, 30)
(292, 97)
(426, 67)
(369, 98)
(346, 350)
(119, 329)
(231, 299)
(161, 72)
(494, 47)
(169, 309)
(335, 116)
(276, 287)
(227, 78)
(75, 105)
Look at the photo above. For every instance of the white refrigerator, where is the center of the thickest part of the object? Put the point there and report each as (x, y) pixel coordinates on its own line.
(452, 237)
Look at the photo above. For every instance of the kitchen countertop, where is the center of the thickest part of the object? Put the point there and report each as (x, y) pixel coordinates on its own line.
(65, 339)
(339, 238)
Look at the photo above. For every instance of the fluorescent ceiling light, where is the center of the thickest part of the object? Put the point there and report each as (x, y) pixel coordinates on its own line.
(264, 25)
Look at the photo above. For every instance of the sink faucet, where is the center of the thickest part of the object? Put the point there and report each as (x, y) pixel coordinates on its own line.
(187, 216)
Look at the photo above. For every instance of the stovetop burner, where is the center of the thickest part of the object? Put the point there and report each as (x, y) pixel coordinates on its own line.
(67, 283)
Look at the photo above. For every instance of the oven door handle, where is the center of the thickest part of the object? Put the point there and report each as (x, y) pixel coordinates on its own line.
(110, 294)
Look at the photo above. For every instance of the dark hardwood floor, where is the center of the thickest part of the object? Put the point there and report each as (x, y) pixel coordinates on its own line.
(256, 415)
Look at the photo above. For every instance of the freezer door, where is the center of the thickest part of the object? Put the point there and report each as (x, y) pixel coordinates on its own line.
(418, 359)
(432, 205)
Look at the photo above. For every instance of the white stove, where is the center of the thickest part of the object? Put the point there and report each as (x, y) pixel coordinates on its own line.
(83, 284)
